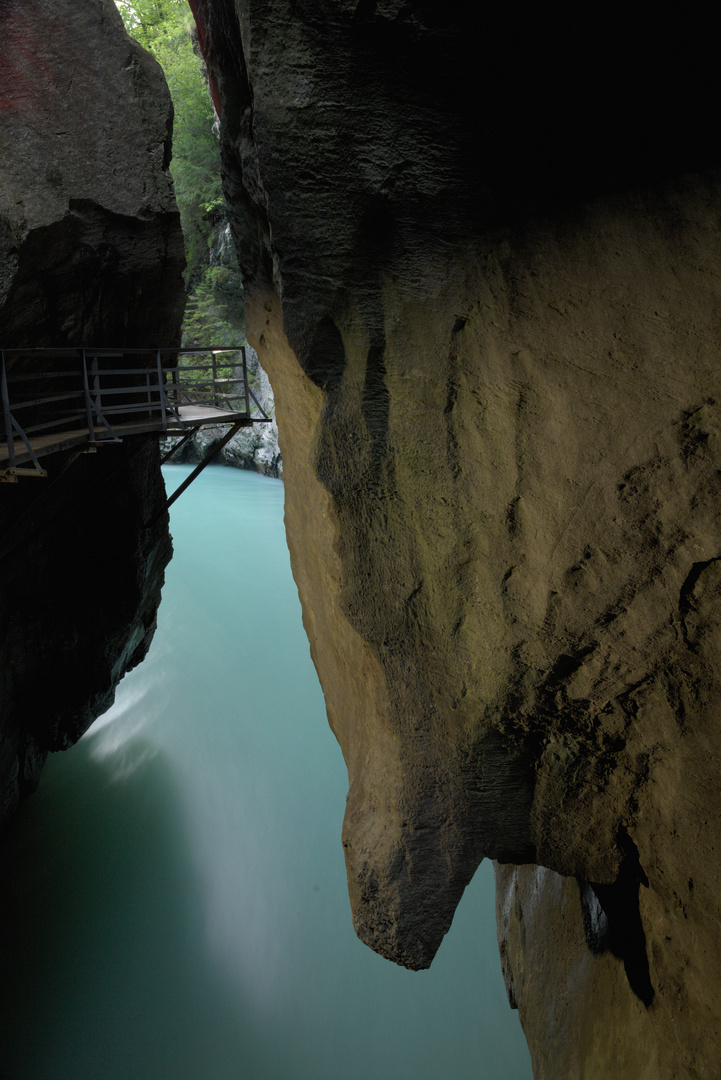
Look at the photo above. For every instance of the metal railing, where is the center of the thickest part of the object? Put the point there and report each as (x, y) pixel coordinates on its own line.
(101, 394)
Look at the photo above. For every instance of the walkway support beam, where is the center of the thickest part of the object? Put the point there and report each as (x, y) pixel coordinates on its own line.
(69, 396)
(212, 452)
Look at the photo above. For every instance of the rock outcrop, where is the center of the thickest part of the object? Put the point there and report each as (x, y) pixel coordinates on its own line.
(481, 269)
(91, 253)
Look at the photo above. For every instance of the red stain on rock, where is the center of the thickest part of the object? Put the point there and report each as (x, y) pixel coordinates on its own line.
(23, 69)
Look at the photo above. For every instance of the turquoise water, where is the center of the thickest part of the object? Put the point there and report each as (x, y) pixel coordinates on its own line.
(178, 907)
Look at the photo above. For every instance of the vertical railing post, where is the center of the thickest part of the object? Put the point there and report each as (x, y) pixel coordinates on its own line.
(97, 392)
(245, 381)
(88, 405)
(215, 376)
(9, 435)
(161, 390)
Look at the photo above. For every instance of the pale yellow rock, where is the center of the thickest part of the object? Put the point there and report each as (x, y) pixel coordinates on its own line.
(493, 249)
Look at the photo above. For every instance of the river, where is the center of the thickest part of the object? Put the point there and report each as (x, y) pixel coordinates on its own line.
(177, 907)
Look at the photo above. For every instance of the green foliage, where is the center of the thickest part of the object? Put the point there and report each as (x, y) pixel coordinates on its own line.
(166, 29)
(148, 21)
(207, 315)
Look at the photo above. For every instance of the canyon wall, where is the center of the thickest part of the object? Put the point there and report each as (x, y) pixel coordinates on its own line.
(91, 254)
(481, 266)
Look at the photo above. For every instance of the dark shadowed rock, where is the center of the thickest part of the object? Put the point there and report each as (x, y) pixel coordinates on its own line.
(91, 253)
(91, 245)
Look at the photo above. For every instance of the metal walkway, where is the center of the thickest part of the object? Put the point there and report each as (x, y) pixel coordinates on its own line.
(57, 399)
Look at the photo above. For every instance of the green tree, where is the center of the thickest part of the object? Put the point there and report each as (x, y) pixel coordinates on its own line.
(166, 29)
(146, 20)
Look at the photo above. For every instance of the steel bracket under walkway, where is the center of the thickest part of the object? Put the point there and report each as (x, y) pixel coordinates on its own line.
(11, 476)
(213, 451)
(82, 398)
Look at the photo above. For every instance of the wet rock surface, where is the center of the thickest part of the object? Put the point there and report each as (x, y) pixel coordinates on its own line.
(91, 253)
(481, 270)
(82, 566)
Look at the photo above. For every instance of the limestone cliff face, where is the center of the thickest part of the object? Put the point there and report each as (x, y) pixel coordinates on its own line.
(481, 269)
(91, 253)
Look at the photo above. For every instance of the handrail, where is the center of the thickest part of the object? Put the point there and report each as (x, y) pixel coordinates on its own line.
(12, 425)
(107, 385)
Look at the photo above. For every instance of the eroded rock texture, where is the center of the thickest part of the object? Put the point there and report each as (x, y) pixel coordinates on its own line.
(91, 253)
(481, 268)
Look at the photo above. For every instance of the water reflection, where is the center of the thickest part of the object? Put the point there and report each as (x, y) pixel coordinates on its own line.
(179, 905)
(106, 973)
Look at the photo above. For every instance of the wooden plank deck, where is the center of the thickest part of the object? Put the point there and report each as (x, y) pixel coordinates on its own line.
(193, 416)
